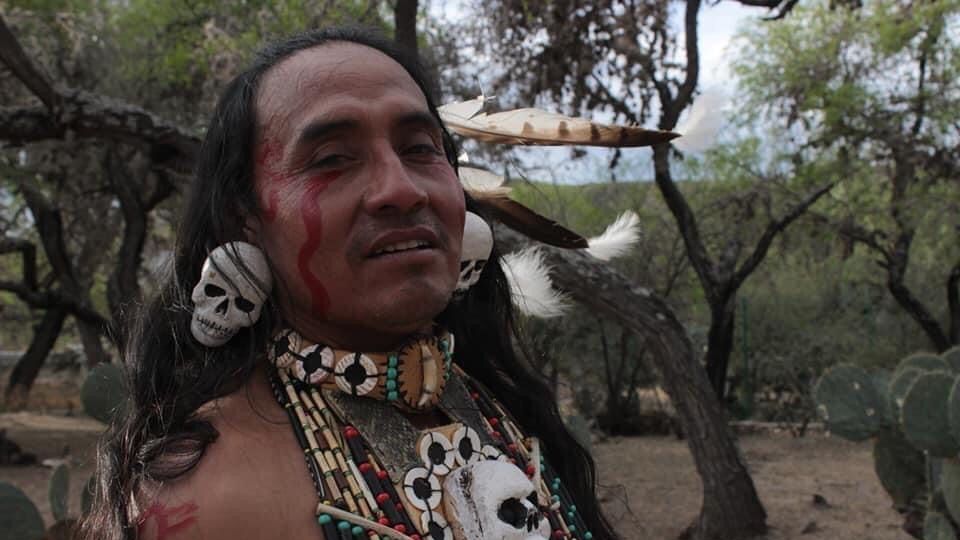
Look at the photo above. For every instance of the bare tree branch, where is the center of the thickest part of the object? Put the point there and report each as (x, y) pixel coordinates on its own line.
(12, 54)
(86, 115)
(773, 229)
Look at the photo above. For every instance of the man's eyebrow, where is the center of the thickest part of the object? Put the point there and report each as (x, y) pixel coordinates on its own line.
(322, 129)
(419, 119)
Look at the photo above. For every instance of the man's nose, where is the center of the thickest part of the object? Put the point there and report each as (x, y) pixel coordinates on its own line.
(392, 188)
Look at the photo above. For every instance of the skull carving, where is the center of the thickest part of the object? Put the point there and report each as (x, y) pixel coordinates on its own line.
(491, 500)
(226, 299)
(477, 244)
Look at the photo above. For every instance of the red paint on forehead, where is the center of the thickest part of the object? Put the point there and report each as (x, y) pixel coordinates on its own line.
(313, 223)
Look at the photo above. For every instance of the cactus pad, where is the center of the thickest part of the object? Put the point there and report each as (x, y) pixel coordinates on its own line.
(899, 384)
(952, 357)
(900, 468)
(59, 492)
(19, 518)
(950, 487)
(924, 362)
(850, 403)
(924, 417)
(102, 392)
(88, 494)
(936, 526)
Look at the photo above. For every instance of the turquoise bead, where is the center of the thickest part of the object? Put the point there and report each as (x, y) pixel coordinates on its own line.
(391, 385)
(588, 535)
(323, 519)
(573, 508)
(392, 395)
(391, 373)
(392, 361)
(344, 525)
(555, 498)
(357, 530)
(573, 528)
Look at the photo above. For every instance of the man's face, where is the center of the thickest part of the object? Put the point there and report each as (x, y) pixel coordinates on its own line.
(362, 213)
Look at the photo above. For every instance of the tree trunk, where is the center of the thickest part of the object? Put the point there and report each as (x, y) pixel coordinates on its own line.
(719, 344)
(25, 372)
(92, 346)
(405, 24)
(731, 509)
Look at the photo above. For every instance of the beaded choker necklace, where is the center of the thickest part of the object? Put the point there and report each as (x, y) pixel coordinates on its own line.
(410, 377)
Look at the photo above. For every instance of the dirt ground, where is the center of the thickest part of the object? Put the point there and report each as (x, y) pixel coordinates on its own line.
(649, 487)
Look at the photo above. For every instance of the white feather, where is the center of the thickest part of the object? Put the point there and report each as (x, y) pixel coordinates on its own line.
(530, 284)
(620, 236)
(703, 122)
(480, 180)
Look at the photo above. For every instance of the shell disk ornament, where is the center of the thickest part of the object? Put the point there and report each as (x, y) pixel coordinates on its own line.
(227, 298)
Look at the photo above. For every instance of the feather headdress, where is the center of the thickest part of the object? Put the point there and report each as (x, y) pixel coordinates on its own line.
(539, 127)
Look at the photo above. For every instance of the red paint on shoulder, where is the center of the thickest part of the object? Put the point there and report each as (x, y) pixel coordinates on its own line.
(313, 223)
(167, 521)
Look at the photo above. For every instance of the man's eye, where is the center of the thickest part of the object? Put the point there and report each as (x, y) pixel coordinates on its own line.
(332, 160)
(422, 149)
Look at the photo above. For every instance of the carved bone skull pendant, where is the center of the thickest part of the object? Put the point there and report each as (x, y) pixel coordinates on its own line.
(226, 299)
(490, 500)
(477, 245)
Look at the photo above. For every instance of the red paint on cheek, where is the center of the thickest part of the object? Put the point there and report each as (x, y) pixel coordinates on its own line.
(313, 223)
(168, 521)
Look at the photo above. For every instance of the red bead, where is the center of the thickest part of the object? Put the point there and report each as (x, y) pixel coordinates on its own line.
(558, 534)
(383, 497)
(365, 467)
(493, 422)
(382, 474)
(384, 521)
(474, 395)
(400, 528)
(350, 432)
(530, 470)
(415, 536)
(496, 434)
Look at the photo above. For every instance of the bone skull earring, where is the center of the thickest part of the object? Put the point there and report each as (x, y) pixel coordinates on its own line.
(491, 499)
(477, 245)
(226, 300)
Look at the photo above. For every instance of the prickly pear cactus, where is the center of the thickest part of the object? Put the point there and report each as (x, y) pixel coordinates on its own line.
(952, 356)
(924, 415)
(924, 362)
(87, 495)
(899, 384)
(19, 517)
(936, 526)
(59, 493)
(102, 392)
(901, 468)
(950, 487)
(850, 402)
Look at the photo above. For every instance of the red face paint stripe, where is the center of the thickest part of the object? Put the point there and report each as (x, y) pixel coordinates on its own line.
(168, 520)
(313, 222)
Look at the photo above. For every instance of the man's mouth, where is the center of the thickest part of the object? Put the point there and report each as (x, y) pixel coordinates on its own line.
(403, 246)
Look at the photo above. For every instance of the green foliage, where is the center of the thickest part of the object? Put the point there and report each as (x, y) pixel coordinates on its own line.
(923, 362)
(19, 517)
(899, 384)
(59, 493)
(102, 393)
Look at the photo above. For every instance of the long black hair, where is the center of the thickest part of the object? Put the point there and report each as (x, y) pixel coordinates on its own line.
(169, 376)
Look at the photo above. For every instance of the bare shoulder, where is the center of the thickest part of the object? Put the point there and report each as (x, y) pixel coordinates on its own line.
(250, 483)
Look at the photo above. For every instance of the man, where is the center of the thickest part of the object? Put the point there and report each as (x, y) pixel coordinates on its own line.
(329, 157)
